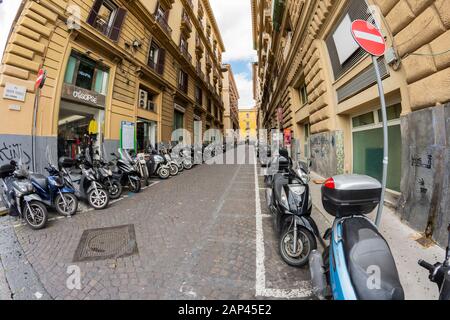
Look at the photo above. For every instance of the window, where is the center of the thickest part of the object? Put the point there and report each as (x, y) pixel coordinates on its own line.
(363, 120)
(183, 81)
(86, 73)
(304, 94)
(178, 123)
(393, 112)
(156, 58)
(307, 133)
(162, 13)
(107, 18)
(198, 95)
(343, 53)
(209, 106)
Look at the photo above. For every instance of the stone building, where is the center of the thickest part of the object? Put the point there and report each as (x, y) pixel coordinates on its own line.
(230, 99)
(312, 73)
(248, 124)
(115, 69)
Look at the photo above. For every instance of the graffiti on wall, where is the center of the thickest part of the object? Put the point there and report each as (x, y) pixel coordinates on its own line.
(320, 146)
(416, 161)
(11, 151)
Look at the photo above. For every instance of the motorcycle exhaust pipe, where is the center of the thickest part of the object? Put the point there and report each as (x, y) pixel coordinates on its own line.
(318, 279)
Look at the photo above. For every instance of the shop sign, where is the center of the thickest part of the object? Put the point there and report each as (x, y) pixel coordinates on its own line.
(127, 135)
(287, 137)
(14, 92)
(77, 94)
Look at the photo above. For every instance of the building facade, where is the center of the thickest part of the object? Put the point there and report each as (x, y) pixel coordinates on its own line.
(119, 73)
(230, 99)
(316, 82)
(248, 124)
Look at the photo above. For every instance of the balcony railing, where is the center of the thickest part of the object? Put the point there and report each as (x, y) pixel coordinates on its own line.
(184, 51)
(199, 46)
(186, 24)
(162, 21)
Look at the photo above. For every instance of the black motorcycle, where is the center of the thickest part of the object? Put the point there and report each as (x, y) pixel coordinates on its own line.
(157, 165)
(126, 171)
(85, 182)
(19, 195)
(105, 176)
(440, 273)
(289, 200)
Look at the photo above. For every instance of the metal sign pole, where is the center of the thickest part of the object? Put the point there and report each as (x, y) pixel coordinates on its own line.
(385, 140)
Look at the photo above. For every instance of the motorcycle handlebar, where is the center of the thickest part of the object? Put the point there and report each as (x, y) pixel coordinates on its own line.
(426, 265)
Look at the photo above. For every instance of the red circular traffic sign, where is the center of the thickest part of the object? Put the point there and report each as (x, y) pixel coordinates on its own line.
(40, 80)
(368, 37)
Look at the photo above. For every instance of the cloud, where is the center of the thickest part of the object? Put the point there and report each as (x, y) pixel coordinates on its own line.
(245, 88)
(235, 23)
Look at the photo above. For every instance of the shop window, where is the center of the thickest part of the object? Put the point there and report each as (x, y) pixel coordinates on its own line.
(86, 73)
(307, 133)
(183, 81)
(156, 57)
(146, 100)
(178, 123)
(363, 120)
(107, 17)
(393, 112)
(145, 135)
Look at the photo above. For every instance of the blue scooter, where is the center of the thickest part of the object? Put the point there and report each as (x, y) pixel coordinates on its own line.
(358, 264)
(54, 191)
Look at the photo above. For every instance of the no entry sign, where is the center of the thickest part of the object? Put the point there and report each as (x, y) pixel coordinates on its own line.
(40, 80)
(368, 37)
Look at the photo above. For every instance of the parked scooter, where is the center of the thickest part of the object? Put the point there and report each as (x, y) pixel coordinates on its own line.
(104, 175)
(126, 172)
(54, 191)
(289, 200)
(19, 196)
(174, 168)
(86, 184)
(274, 166)
(157, 165)
(440, 273)
(142, 168)
(358, 264)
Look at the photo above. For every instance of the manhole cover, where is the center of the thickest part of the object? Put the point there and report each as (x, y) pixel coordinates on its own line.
(106, 243)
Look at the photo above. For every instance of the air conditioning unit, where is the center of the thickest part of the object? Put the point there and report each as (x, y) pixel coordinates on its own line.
(150, 105)
(143, 99)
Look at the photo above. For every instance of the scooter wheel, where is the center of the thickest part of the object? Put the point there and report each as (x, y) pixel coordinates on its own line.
(114, 189)
(174, 170)
(306, 243)
(37, 219)
(98, 199)
(67, 206)
(188, 165)
(135, 186)
(164, 173)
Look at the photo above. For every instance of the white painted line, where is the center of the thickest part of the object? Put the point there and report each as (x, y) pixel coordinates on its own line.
(368, 36)
(304, 291)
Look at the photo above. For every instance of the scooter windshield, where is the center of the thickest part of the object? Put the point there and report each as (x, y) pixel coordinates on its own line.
(125, 155)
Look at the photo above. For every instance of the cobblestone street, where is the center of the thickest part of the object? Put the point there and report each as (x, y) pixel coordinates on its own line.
(196, 239)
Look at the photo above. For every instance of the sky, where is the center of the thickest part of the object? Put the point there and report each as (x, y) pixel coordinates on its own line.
(235, 22)
(7, 15)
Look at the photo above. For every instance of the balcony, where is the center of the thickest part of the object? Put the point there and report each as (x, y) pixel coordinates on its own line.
(186, 25)
(200, 73)
(185, 52)
(162, 21)
(208, 64)
(199, 47)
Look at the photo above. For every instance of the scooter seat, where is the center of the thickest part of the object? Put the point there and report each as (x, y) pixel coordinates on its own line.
(370, 262)
(40, 180)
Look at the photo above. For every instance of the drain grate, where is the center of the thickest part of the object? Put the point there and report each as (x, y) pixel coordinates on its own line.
(106, 243)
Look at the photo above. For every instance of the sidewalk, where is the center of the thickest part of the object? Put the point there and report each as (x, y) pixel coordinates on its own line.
(405, 249)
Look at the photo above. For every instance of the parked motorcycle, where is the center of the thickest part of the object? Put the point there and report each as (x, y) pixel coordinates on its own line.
(174, 168)
(157, 165)
(104, 175)
(440, 273)
(54, 191)
(358, 264)
(126, 172)
(20, 197)
(289, 200)
(85, 183)
(275, 167)
(142, 168)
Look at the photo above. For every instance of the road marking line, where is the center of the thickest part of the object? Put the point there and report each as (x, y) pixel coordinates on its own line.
(260, 285)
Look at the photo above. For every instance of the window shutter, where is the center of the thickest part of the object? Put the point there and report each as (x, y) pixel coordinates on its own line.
(117, 25)
(162, 60)
(94, 12)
